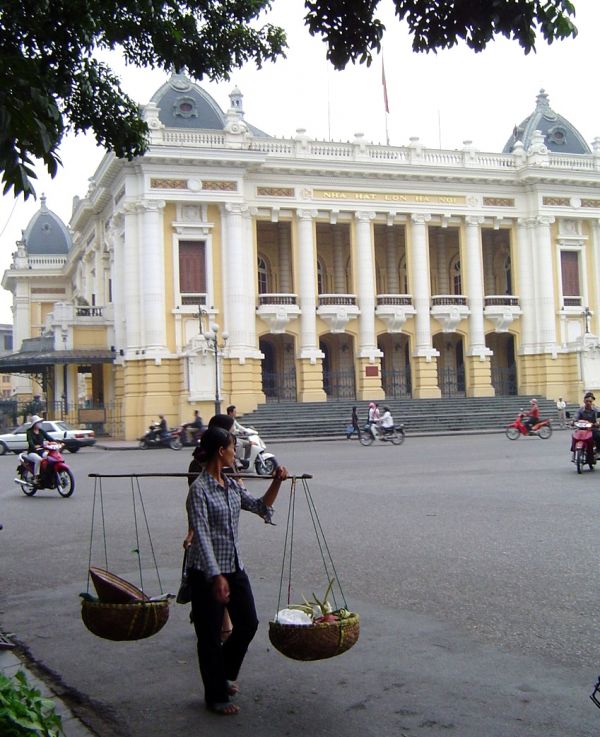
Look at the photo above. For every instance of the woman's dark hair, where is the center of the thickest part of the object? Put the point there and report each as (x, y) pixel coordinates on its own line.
(223, 421)
(213, 439)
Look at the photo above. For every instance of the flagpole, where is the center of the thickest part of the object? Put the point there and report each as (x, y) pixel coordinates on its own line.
(386, 106)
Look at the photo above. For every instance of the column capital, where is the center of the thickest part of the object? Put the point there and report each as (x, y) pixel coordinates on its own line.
(546, 220)
(474, 220)
(150, 205)
(363, 216)
(306, 214)
(420, 218)
(526, 222)
(236, 208)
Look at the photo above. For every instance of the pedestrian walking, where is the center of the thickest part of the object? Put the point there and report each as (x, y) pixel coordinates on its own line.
(354, 426)
(216, 571)
(561, 407)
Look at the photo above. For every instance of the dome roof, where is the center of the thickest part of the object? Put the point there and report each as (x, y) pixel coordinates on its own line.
(183, 104)
(46, 232)
(560, 136)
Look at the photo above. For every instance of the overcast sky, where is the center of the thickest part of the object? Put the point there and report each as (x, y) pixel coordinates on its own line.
(443, 99)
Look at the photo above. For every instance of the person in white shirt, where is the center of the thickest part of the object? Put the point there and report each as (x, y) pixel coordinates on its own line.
(241, 434)
(561, 406)
(386, 423)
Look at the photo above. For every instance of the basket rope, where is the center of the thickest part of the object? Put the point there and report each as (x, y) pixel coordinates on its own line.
(288, 547)
(98, 498)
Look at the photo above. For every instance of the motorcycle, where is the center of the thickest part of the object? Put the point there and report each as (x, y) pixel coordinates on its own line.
(152, 439)
(583, 445)
(54, 472)
(263, 462)
(541, 429)
(190, 436)
(371, 432)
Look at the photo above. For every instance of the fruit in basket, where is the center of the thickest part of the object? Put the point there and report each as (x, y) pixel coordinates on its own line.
(327, 618)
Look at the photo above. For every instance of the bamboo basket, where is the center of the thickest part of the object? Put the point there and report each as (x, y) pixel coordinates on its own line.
(134, 620)
(315, 641)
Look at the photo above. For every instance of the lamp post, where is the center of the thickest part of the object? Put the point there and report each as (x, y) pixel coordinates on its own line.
(212, 338)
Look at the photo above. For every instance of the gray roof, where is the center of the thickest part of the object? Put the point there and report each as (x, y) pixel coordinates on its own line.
(46, 232)
(560, 136)
(183, 104)
(39, 351)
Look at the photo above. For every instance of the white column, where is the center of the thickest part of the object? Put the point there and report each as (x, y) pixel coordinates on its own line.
(117, 270)
(546, 306)
(594, 268)
(307, 286)
(131, 276)
(421, 285)
(526, 285)
(391, 261)
(153, 277)
(366, 286)
(475, 287)
(285, 271)
(239, 290)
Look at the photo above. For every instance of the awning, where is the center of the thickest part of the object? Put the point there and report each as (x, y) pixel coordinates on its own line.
(38, 353)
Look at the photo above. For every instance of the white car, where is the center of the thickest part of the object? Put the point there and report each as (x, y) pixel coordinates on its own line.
(74, 439)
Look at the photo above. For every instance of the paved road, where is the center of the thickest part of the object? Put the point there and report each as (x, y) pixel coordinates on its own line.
(470, 559)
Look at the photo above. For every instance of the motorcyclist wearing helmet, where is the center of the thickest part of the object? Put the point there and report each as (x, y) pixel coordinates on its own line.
(533, 416)
(589, 413)
(36, 436)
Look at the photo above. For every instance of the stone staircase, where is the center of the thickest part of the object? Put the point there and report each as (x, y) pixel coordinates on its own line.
(286, 420)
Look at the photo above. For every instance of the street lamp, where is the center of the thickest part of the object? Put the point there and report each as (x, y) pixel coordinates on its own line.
(212, 338)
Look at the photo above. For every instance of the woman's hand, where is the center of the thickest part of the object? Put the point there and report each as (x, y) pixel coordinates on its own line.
(187, 540)
(220, 587)
(281, 473)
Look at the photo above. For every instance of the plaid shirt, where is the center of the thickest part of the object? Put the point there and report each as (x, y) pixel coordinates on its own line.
(213, 514)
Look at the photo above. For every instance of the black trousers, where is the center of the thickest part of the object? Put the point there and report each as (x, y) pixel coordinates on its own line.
(221, 662)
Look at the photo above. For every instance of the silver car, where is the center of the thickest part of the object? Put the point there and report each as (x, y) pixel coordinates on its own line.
(72, 437)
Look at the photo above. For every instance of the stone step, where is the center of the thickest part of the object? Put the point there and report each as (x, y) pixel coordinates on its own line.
(326, 419)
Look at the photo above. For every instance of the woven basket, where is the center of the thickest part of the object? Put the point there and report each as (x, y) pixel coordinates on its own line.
(315, 641)
(132, 621)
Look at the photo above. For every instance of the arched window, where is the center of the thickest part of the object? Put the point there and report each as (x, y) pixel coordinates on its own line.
(263, 276)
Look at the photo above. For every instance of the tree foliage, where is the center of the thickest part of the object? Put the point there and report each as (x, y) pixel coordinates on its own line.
(51, 79)
(437, 24)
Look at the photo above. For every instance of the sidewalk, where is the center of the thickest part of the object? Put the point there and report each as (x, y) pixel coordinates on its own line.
(11, 663)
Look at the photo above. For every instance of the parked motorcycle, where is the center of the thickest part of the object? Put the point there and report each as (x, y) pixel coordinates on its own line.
(263, 462)
(395, 435)
(584, 445)
(152, 439)
(54, 472)
(541, 429)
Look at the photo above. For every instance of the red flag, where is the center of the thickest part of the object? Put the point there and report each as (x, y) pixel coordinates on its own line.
(385, 95)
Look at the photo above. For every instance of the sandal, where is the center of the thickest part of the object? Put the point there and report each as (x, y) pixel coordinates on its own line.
(223, 708)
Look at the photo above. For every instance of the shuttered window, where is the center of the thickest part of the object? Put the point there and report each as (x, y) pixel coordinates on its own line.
(569, 264)
(192, 267)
